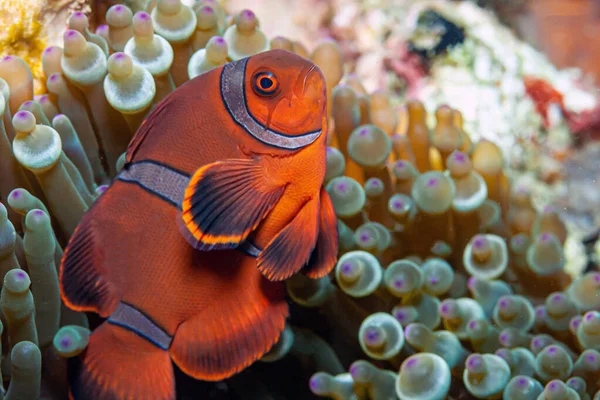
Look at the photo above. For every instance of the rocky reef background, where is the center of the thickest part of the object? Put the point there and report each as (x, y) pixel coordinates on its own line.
(466, 212)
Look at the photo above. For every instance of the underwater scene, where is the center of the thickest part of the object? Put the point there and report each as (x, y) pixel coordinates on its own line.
(300, 199)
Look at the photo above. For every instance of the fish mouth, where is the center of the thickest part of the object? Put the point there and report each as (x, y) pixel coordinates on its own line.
(307, 102)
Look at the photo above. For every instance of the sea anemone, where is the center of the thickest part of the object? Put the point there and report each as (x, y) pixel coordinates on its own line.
(449, 280)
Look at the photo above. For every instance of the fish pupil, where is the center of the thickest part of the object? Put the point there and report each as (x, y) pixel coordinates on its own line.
(266, 83)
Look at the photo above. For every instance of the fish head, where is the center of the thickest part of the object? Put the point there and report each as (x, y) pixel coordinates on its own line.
(285, 93)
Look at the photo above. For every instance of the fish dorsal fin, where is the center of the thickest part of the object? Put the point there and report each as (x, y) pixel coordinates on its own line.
(147, 125)
(84, 281)
(225, 201)
(324, 256)
(291, 248)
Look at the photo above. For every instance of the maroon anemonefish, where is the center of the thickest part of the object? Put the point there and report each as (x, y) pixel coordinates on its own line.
(233, 160)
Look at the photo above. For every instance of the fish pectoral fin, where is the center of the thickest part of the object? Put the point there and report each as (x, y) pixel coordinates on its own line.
(230, 335)
(225, 201)
(324, 256)
(291, 248)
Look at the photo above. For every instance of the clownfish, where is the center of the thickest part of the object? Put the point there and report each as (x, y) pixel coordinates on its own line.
(219, 200)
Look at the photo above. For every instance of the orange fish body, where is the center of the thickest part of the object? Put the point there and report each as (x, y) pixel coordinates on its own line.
(220, 199)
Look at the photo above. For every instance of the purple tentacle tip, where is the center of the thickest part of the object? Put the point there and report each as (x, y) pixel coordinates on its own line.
(399, 315)
(78, 14)
(503, 338)
(346, 268)
(399, 283)
(522, 382)
(537, 342)
(472, 324)
(412, 362)
(119, 8)
(553, 386)
(589, 316)
(248, 14)
(445, 309)
(400, 164)
(471, 283)
(342, 187)
(552, 349)
(459, 157)
(39, 213)
(363, 132)
(22, 114)
(432, 182)
(353, 369)
(398, 204)
(474, 362)
(597, 278)
(371, 335)
(208, 10)
(540, 312)
(434, 280)
(314, 384)
(48, 50)
(8, 58)
(544, 237)
(16, 194)
(556, 298)
(504, 303)
(364, 237)
(591, 357)
(70, 33)
(21, 275)
(65, 342)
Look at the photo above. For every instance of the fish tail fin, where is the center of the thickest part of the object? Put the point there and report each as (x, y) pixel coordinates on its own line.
(118, 364)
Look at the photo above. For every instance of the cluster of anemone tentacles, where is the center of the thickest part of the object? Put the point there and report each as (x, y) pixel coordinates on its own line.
(451, 281)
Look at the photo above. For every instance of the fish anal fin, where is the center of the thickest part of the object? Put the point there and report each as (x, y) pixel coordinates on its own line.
(225, 201)
(324, 256)
(291, 248)
(82, 275)
(120, 365)
(221, 341)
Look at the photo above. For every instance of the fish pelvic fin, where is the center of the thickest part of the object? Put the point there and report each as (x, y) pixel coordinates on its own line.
(324, 256)
(225, 201)
(118, 364)
(291, 248)
(222, 340)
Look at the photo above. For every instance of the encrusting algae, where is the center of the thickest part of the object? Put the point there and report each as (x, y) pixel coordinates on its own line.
(449, 284)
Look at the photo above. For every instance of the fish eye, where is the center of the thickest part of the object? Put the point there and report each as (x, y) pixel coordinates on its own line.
(265, 83)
